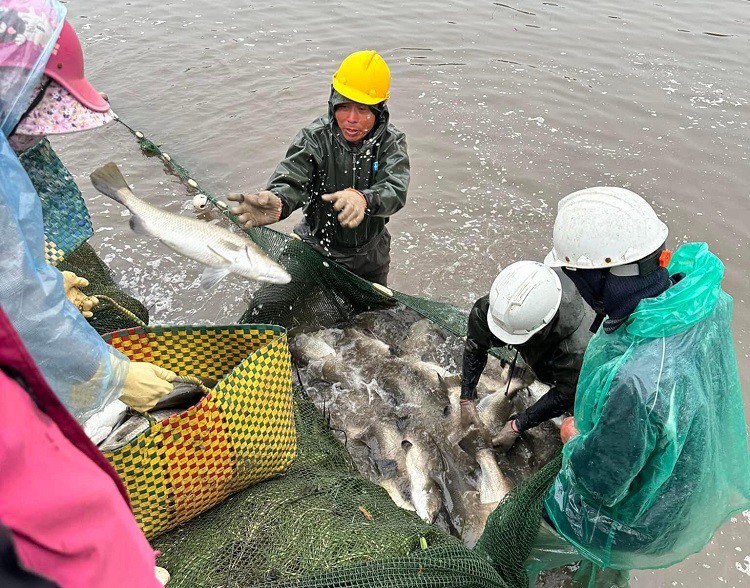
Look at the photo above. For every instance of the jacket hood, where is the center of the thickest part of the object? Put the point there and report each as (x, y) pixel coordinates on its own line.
(686, 303)
(380, 110)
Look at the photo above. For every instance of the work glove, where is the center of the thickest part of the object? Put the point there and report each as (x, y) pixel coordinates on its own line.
(469, 415)
(568, 429)
(507, 436)
(72, 284)
(145, 384)
(256, 210)
(350, 204)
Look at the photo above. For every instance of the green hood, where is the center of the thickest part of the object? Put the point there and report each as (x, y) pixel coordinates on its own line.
(688, 302)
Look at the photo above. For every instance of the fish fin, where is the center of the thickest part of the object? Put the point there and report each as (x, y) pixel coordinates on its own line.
(109, 180)
(138, 226)
(212, 276)
(227, 245)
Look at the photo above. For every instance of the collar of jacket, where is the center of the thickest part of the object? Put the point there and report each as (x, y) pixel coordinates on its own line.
(687, 302)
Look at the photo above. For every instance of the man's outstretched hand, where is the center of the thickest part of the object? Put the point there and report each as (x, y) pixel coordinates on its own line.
(256, 210)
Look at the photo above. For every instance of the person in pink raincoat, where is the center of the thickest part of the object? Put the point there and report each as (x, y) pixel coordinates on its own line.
(62, 505)
(64, 515)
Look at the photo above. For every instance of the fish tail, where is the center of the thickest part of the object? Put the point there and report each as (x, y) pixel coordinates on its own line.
(109, 181)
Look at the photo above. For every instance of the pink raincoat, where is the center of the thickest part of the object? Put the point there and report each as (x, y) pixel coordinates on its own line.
(63, 503)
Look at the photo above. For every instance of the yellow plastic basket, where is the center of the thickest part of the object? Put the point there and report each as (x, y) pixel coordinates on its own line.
(239, 434)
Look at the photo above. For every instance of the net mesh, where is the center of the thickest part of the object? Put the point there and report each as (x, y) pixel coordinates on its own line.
(321, 293)
(320, 525)
(511, 529)
(107, 317)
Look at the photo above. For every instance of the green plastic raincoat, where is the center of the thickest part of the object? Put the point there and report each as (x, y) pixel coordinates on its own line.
(662, 457)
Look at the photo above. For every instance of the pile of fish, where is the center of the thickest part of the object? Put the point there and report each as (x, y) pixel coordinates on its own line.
(389, 384)
(131, 424)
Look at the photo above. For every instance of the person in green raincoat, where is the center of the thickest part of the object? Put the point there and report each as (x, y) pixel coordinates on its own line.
(656, 455)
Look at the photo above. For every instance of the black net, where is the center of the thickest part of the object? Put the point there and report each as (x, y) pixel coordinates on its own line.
(321, 292)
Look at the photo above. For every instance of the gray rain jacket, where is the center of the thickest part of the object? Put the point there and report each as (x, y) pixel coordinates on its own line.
(320, 161)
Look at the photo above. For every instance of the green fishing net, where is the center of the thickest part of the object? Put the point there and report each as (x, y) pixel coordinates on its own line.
(511, 529)
(320, 525)
(108, 317)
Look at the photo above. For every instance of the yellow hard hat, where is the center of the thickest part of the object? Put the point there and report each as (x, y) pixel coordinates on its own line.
(363, 77)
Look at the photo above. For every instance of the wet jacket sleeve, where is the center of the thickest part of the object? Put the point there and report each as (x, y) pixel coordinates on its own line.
(607, 458)
(388, 194)
(292, 178)
(566, 369)
(479, 341)
(83, 371)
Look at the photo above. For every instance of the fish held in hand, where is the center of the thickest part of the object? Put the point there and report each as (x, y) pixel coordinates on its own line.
(220, 250)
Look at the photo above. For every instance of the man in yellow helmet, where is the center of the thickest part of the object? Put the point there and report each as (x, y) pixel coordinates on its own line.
(348, 171)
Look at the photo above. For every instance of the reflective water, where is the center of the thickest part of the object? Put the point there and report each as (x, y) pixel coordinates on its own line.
(507, 107)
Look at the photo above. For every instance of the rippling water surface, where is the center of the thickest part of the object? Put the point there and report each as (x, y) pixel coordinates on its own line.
(507, 107)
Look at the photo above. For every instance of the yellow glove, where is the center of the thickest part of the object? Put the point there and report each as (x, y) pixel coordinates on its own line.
(256, 210)
(81, 301)
(350, 204)
(145, 384)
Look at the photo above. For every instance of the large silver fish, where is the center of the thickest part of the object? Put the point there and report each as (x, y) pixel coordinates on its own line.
(384, 440)
(220, 250)
(422, 465)
(494, 411)
(493, 484)
(306, 348)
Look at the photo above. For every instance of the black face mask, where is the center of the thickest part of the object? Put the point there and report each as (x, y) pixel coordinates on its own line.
(616, 297)
(590, 283)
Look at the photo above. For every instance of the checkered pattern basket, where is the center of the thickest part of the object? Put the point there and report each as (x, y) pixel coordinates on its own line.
(241, 433)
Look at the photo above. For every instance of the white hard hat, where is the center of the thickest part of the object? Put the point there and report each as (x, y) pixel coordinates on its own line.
(524, 298)
(604, 227)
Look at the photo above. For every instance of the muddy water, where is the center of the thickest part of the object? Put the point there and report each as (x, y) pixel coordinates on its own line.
(507, 107)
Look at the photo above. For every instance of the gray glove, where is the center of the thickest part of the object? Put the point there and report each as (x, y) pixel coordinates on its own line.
(256, 210)
(350, 204)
